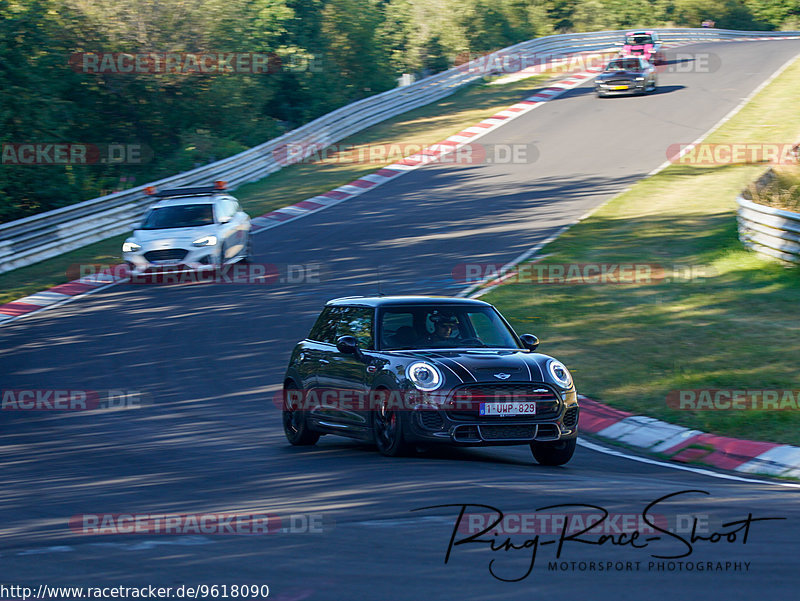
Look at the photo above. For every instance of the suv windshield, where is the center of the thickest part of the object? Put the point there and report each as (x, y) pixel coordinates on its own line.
(179, 216)
(630, 64)
(443, 326)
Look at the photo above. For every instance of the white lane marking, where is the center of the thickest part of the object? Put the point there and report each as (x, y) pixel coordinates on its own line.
(727, 117)
(519, 259)
(4, 320)
(684, 468)
(474, 291)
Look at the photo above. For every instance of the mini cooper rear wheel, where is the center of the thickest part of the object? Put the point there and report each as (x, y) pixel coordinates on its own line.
(388, 426)
(554, 453)
(294, 424)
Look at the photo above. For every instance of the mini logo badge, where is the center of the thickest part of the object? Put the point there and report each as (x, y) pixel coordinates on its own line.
(502, 376)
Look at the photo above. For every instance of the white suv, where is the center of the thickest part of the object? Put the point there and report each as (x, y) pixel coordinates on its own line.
(191, 228)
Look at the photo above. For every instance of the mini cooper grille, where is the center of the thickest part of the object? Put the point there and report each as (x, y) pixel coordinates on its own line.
(431, 420)
(507, 432)
(466, 434)
(548, 432)
(167, 254)
(464, 403)
(571, 417)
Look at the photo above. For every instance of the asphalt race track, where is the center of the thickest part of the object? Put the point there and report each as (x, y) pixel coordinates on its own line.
(211, 356)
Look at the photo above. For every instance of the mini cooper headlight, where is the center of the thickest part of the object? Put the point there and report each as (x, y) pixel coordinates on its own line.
(560, 373)
(424, 375)
(130, 246)
(205, 241)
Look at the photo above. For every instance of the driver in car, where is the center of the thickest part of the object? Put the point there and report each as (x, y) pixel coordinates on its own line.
(443, 326)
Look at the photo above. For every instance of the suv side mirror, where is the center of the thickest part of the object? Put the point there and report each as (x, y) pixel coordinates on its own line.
(530, 341)
(348, 345)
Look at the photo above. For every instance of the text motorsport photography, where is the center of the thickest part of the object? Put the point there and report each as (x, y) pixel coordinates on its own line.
(667, 543)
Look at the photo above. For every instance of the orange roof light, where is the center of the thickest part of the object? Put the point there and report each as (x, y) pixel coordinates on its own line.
(150, 190)
(220, 185)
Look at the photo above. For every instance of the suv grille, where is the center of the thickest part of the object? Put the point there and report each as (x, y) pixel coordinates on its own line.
(464, 403)
(167, 254)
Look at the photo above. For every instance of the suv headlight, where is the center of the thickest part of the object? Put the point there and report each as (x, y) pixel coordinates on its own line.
(130, 246)
(205, 241)
(424, 375)
(560, 373)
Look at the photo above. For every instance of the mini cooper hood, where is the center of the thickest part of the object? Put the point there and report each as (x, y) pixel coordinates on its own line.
(489, 365)
(188, 234)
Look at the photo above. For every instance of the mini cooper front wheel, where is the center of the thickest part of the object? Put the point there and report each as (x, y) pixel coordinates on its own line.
(294, 424)
(558, 452)
(388, 426)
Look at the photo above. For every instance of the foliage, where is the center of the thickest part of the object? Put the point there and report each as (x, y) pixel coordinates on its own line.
(324, 54)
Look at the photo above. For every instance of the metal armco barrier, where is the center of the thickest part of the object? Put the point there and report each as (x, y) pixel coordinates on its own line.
(769, 231)
(39, 237)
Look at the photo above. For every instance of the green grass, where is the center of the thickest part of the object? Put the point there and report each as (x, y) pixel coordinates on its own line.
(739, 327)
(423, 126)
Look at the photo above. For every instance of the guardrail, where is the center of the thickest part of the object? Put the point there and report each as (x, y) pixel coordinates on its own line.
(766, 230)
(39, 237)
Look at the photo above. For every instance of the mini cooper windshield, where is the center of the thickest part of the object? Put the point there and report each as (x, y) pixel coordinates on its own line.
(179, 216)
(445, 326)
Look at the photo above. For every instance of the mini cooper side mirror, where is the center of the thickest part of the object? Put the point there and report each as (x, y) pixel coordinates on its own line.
(530, 341)
(348, 345)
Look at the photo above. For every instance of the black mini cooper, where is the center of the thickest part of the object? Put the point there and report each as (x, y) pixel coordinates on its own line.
(409, 371)
(627, 75)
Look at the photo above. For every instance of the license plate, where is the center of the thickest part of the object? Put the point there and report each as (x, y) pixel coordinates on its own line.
(167, 262)
(510, 408)
(619, 87)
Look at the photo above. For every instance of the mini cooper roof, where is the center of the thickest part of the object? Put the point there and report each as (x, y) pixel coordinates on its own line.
(393, 301)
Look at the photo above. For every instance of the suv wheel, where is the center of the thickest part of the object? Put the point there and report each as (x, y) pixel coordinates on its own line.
(554, 453)
(388, 426)
(248, 251)
(295, 426)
